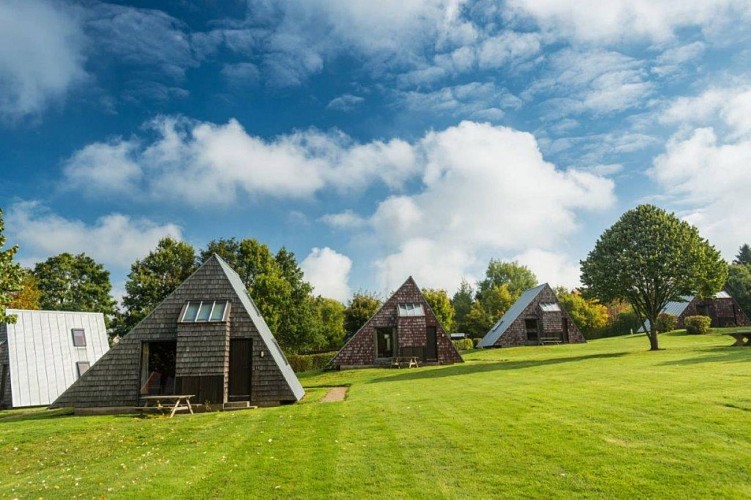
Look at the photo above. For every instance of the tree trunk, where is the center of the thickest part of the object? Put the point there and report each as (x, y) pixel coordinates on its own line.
(652, 334)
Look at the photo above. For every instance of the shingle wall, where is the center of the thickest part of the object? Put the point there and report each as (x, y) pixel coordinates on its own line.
(5, 398)
(723, 311)
(410, 331)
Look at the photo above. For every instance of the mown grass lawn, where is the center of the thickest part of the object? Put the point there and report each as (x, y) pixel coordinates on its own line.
(605, 419)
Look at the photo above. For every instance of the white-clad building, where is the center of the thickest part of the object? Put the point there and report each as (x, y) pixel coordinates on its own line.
(44, 352)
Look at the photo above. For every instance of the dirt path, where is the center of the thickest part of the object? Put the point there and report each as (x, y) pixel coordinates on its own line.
(335, 394)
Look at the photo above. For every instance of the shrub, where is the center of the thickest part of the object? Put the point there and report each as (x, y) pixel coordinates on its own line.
(463, 344)
(666, 323)
(309, 362)
(698, 324)
(624, 323)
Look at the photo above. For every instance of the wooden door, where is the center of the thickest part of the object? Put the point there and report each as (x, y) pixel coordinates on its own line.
(431, 351)
(565, 330)
(240, 356)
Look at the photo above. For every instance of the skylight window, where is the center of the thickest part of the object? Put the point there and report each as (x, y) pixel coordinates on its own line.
(79, 337)
(205, 311)
(411, 309)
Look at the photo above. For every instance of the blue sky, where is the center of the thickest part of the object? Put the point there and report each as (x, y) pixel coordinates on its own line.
(374, 139)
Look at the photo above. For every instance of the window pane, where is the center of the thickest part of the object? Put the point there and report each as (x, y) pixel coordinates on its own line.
(205, 311)
(191, 311)
(218, 313)
(79, 337)
(83, 366)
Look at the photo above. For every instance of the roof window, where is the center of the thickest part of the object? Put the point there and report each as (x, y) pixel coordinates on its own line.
(411, 309)
(205, 311)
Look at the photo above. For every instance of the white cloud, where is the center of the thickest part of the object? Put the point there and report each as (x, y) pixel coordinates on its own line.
(551, 267)
(204, 163)
(478, 101)
(509, 46)
(704, 171)
(346, 102)
(41, 55)
(328, 272)
(622, 20)
(114, 240)
(599, 81)
(486, 190)
(344, 220)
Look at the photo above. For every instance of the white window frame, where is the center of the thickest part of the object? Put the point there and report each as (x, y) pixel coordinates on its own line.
(200, 303)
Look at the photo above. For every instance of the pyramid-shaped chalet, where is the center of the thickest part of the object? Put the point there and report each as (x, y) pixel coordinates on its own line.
(405, 326)
(536, 318)
(207, 338)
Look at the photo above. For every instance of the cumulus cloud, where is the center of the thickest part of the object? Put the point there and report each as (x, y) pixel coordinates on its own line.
(328, 272)
(486, 190)
(115, 240)
(623, 20)
(704, 169)
(204, 163)
(554, 268)
(41, 55)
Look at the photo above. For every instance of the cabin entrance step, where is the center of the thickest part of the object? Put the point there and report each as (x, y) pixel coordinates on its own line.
(237, 405)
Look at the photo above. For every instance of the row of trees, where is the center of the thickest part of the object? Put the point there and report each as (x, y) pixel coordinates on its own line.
(648, 258)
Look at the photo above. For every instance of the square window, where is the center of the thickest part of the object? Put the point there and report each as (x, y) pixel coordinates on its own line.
(191, 311)
(79, 337)
(82, 367)
(204, 313)
(217, 314)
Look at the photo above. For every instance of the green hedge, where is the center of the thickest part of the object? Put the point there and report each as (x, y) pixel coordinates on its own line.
(463, 344)
(309, 362)
(698, 324)
(666, 323)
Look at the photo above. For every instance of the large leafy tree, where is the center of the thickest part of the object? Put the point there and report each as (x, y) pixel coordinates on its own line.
(588, 314)
(360, 308)
(69, 282)
(441, 305)
(648, 258)
(29, 296)
(462, 302)
(11, 275)
(512, 274)
(152, 278)
(739, 285)
(744, 255)
(331, 317)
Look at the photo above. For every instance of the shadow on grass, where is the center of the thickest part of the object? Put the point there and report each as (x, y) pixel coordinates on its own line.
(470, 367)
(41, 414)
(721, 354)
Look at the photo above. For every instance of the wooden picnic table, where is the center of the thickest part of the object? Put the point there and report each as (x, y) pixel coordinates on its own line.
(742, 339)
(177, 402)
(411, 361)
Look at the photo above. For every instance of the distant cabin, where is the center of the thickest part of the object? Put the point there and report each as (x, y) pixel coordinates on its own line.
(722, 309)
(44, 352)
(207, 338)
(405, 326)
(536, 318)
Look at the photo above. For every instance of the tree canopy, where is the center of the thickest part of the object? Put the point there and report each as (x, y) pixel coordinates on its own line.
(739, 285)
(11, 275)
(648, 258)
(331, 318)
(69, 282)
(441, 305)
(152, 278)
(515, 276)
(462, 303)
(588, 314)
(360, 308)
(744, 255)
(29, 296)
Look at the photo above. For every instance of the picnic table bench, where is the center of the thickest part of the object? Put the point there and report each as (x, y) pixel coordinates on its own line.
(410, 361)
(550, 340)
(742, 339)
(175, 402)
